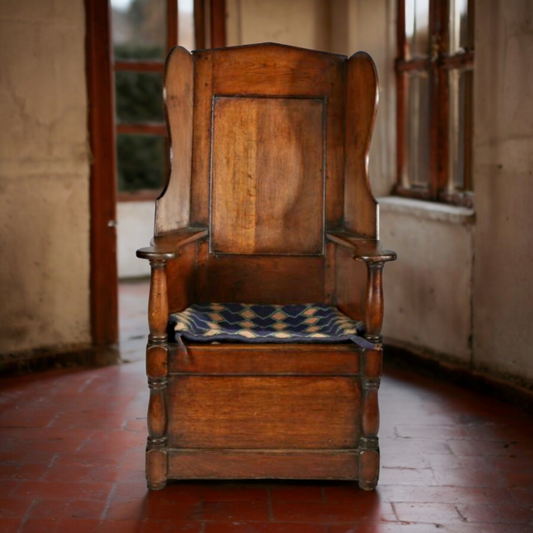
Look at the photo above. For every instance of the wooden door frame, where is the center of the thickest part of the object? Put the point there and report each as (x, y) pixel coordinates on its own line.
(103, 239)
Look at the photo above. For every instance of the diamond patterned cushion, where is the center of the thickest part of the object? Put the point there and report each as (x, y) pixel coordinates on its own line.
(266, 323)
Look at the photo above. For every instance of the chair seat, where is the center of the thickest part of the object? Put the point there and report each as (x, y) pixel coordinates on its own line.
(250, 323)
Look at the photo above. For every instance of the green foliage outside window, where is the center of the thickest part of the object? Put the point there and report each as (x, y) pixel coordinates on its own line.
(141, 162)
(138, 100)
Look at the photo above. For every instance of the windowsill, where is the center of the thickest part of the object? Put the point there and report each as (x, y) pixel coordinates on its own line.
(426, 210)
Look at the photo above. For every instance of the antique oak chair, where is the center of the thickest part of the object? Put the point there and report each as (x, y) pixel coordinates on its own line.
(268, 203)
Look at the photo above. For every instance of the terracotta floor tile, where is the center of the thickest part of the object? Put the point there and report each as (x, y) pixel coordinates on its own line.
(351, 494)
(254, 527)
(62, 490)
(415, 446)
(465, 477)
(382, 527)
(124, 509)
(10, 525)
(229, 493)
(14, 508)
(164, 509)
(23, 472)
(121, 526)
(431, 432)
(506, 513)
(168, 526)
(236, 511)
(330, 512)
(297, 493)
(132, 491)
(428, 513)
(486, 448)
(403, 494)
(73, 442)
(522, 480)
(407, 527)
(149, 526)
(75, 508)
(55, 440)
(181, 492)
(522, 496)
(61, 526)
(407, 476)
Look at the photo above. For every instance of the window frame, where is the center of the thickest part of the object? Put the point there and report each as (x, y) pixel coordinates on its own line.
(205, 11)
(438, 63)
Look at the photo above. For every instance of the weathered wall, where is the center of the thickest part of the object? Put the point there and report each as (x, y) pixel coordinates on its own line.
(428, 291)
(302, 23)
(135, 229)
(44, 175)
(503, 177)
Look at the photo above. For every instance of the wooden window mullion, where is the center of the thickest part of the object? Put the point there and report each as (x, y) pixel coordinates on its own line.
(440, 100)
(172, 24)
(400, 98)
(441, 184)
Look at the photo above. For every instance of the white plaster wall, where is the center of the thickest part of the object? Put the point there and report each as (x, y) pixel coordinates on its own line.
(44, 175)
(428, 291)
(135, 230)
(503, 178)
(302, 23)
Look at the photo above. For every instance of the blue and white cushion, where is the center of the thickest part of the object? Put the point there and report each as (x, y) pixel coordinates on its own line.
(237, 322)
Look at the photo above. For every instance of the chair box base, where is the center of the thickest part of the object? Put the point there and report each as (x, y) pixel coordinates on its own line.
(265, 412)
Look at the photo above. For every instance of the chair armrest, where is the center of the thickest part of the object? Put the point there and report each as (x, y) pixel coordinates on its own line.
(366, 250)
(168, 246)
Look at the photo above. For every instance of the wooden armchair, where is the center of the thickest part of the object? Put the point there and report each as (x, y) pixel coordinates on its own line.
(268, 202)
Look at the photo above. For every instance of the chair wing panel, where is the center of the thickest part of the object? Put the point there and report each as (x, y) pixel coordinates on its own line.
(360, 206)
(173, 206)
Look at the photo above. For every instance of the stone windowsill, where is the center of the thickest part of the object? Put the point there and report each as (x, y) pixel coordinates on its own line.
(426, 210)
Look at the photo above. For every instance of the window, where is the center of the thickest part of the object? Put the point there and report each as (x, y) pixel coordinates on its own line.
(143, 32)
(435, 40)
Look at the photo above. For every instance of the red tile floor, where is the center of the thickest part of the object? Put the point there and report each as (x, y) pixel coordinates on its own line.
(72, 446)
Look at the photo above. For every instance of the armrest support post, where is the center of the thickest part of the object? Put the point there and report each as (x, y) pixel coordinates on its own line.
(156, 369)
(374, 302)
(158, 302)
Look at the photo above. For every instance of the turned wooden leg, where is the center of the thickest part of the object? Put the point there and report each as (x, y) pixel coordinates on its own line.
(369, 443)
(371, 375)
(157, 372)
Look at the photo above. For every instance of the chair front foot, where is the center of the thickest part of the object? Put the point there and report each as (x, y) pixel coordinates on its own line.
(156, 468)
(156, 486)
(369, 464)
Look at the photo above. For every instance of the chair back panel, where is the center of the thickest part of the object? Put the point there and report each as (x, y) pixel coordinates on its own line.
(271, 78)
(268, 176)
(267, 173)
(259, 279)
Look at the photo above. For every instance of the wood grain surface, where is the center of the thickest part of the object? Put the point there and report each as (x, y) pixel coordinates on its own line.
(268, 176)
(263, 412)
